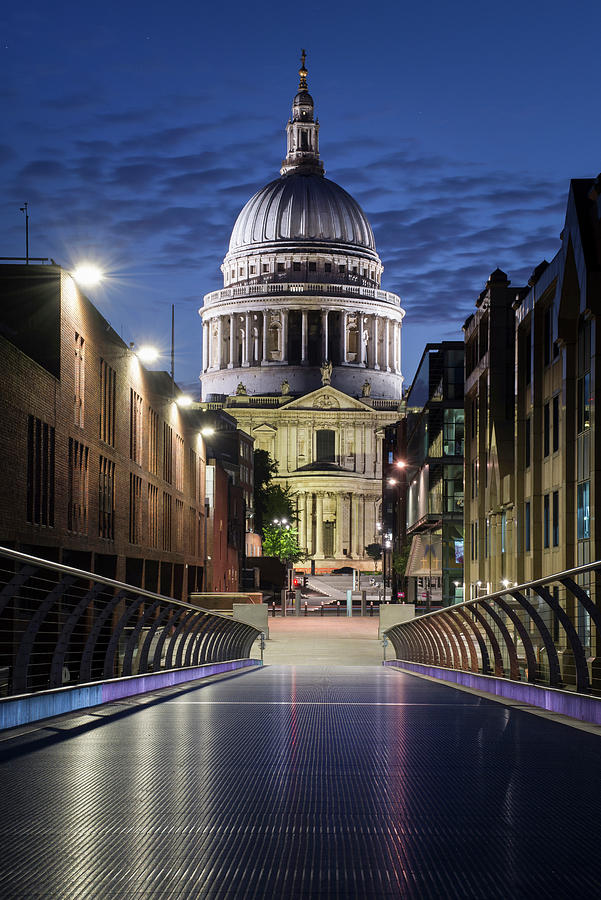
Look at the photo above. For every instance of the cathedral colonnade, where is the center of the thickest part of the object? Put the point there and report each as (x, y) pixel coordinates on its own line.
(302, 336)
(336, 524)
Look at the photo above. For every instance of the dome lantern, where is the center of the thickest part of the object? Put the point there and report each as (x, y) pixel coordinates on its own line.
(302, 132)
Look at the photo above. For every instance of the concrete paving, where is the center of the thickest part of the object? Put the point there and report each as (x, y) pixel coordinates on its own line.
(318, 641)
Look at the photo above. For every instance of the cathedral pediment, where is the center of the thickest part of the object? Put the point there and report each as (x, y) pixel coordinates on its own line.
(328, 397)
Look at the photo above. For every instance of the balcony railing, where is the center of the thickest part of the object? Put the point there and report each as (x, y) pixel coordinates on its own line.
(545, 632)
(61, 626)
(285, 288)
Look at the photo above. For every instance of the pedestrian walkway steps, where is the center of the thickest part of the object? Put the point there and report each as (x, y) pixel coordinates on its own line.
(324, 782)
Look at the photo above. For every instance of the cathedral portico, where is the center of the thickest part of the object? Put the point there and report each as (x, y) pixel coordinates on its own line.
(303, 346)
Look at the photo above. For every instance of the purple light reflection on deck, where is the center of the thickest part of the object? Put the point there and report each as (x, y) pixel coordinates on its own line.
(566, 703)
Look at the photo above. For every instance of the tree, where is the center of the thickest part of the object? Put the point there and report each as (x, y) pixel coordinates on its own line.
(282, 541)
(278, 505)
(264, 470)
(374, 551)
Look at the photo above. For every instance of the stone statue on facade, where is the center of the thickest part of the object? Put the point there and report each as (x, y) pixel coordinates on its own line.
(326, 372)
(366, 388)
(241, 390)
(285, 388)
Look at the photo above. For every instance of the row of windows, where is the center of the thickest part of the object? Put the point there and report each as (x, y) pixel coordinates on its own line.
(254, 268)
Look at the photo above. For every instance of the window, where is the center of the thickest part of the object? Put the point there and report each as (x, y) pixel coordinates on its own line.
(296, 267)
(135, 508)
(281, 267)
(453, 432)
(107, 403)
(135, 427)
(326, 445)
(327, 267)
(40, 472)
(546, 522)
(555, 423)
(503, 532)
(474, 417)
(78, 392)
(179, 463)
(341, 268)
(106, 499)
(153, 442)
(77, 509)
(546, 429)
(527, 357)
(167, 453)
(265, 267)
(253, 270)
(166, 521)
(179, 526)
(556, 518)
(527, 442)
(583, 512)
(312, 267)
(584, 402)
(527, 525)
(153, 515)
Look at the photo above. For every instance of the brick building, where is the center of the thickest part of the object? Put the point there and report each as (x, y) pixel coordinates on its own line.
(100, 467)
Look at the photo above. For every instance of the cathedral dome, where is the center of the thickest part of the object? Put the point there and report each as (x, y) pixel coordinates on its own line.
(302, 207)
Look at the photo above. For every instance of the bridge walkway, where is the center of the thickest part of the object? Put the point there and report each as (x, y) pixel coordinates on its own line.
(301, 782)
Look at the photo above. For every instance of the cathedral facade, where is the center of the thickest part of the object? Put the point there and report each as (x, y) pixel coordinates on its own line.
(303, 347)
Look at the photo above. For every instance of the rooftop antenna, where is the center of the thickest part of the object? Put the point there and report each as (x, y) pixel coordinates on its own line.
(173, 348)
(24, 209)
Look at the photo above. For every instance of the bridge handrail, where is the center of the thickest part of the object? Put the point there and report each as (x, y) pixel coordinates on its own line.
(545, 631)
(63, 626)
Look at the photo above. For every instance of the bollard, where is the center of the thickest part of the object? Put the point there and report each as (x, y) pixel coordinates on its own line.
(338, 607)
(284, 601)
(321, 609)
(297, 603)
(262, 645)
(349, 603)
(305, 607)
(273, 609)
(363, 603)
(371, 608)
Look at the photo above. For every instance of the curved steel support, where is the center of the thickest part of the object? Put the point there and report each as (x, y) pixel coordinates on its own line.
(492, 639)
(132, 641)
(486, 667)
(109, 657)
(456, 654)
(23, 656)
(90, 647)
(583, 683)
(174, 616)
(555, 679)
(175, 637)
(514, 666)
(524, 637)
(447, 617)
(64, 640)
(143, 665)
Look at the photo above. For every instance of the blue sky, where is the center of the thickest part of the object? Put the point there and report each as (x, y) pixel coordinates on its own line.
(137, 131)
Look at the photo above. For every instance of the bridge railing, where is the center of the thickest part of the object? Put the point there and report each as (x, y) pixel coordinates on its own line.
(61, 626)
(545, 632)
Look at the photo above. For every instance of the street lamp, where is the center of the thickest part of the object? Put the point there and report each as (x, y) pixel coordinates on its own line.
(87, 274)
(146, 354)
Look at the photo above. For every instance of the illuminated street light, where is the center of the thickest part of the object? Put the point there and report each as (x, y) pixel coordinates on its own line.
(207, 431)
(146, 354)
(505, 582)
(184, 400)
(87, 275)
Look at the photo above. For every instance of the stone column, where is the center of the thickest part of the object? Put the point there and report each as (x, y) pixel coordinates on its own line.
(339, 525)
(304, 323)
(319, 525)
(324, 332)
(376, 343)
(205, 345)
(362, 342)
(354, 525)
(246, 348)
(219, 342)
(398, 346)
(264, 360)
(387, 339)
(344, 337)
(230, 364)
(309, 523)
(284, 335)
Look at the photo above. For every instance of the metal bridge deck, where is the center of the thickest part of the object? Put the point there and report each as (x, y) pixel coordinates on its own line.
(306, 783)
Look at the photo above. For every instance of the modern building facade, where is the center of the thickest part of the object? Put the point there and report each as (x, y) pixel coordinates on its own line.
(101, 469)
(532, 453)
(423, 479)
(302, 345)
